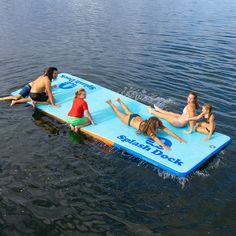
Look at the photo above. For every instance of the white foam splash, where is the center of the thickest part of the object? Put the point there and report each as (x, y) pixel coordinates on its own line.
(147, 97)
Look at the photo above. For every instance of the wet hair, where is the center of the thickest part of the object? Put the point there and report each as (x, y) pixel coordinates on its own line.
(209, 108)
(49, 72)
(195, 101)
(78, 92)
(149, 127)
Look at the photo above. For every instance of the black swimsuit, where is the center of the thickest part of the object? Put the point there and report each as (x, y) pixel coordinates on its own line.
(131, 117)
(39, 97)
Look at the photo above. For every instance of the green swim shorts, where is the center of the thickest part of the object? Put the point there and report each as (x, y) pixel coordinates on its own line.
(76, 121)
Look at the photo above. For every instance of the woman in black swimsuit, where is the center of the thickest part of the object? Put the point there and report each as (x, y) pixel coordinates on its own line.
(147, 127)
(208, 126)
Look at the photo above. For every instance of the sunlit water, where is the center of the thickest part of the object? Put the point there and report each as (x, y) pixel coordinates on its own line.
(53, 182)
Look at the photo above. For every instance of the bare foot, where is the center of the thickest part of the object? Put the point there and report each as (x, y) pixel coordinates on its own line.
(118, 99)
(33, 104)
(108, 101)
(150, 110)
(77, 128)
(1, 99)
(72, 127)
(157, 108)
(12, 103)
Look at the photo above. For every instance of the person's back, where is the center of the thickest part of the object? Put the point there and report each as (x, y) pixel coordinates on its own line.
(41, 90)
(39, 85)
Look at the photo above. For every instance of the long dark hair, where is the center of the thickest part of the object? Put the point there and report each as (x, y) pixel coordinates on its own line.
(49, 72)
(195, 99)
(149, 127)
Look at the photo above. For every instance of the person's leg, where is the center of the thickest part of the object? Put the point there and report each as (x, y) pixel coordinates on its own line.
(24, 100)
(16, 97)
(71, 127)
(127, 111)
(171, 119)
(78, 127)
(39, 98)
(123, 117)
(34, 103)
(201, 128)
(158, 109)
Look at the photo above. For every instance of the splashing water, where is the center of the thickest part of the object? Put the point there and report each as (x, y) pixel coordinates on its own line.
(147, 97)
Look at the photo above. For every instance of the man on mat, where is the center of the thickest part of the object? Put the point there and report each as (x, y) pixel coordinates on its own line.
(23, 93)
(41, 90)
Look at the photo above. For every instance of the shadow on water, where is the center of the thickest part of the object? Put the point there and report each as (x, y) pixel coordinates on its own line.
(45, 122)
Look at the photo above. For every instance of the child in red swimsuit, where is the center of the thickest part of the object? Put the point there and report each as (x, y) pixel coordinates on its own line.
(76, 117)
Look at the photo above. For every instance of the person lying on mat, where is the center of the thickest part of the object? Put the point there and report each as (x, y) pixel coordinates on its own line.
(147, 127)
(41, 90)
(76, 117)
(208, 126)
(179, 120)
(23, 93)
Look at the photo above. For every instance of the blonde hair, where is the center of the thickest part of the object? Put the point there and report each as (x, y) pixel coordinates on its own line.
(78, 92)
(209, 108)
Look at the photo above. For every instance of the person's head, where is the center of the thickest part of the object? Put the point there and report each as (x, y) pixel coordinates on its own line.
(81, 93)
(149, 127)
(207, 109)
(192, 98)
(51, 73)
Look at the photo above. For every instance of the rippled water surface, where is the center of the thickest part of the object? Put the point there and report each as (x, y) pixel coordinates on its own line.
(53, 182)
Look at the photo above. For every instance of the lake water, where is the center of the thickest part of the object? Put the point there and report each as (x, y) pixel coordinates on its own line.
(55, 183)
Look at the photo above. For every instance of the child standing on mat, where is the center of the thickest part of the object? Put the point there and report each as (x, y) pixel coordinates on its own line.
(76, 117)
(208, 126)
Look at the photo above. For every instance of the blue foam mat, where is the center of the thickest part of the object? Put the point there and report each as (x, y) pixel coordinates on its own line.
(181, 160)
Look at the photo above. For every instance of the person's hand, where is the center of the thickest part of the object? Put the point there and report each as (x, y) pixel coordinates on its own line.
(182, 141)
(93, 123)
(188, 131)
(167, 148)
(57, 105)
(206, 139)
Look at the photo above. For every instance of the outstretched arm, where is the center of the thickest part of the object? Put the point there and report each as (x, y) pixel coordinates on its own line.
(172, 134)
(195, 118)
(49, 92)
(89, 116)
(158, 141)
(191, 114)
